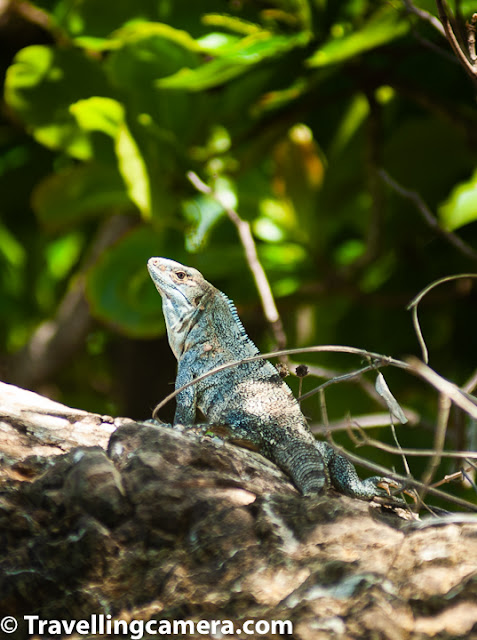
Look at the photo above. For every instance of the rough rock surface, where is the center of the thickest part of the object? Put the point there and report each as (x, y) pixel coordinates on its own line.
(160, 523)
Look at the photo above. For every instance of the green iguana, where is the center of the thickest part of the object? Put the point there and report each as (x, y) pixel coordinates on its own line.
(250, 399)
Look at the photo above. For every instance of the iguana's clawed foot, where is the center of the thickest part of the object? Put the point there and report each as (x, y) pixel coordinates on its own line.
(381, 487)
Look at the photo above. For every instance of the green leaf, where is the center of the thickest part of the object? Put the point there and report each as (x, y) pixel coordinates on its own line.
(69, 196)
(62, 254)
(12, 252)
(148, 54)
(120, 290)
(233, 60)
(42, 84)
(230, 23)
(178, 40)
(461, 206)
(202, 212)
(384, 26)
(134, 171)
(99, 114)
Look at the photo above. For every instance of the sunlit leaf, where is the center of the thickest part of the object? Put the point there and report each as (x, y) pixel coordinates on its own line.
(62, 254)
(233, 61)
(11, 251)
(41, 85)
(134, 171)
(202, 213)
(230, 23)
(382, 28)
(99, 114)
(461, 206)
(150, 52)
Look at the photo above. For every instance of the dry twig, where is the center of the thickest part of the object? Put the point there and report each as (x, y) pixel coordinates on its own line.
(416, 300)
(380, 361)
(462, 56)
(424, 15)
(428, 216)
(258, 272)
(439, 440)
(462, 399)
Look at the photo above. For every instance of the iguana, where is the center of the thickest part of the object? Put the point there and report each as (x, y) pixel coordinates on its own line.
(251, 400)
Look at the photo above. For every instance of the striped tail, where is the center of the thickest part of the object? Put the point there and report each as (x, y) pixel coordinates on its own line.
(304, 464)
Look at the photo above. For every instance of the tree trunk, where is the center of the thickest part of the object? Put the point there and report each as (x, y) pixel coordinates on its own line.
(115, 522)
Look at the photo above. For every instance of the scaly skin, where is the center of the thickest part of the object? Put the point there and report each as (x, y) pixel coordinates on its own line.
(251, 399)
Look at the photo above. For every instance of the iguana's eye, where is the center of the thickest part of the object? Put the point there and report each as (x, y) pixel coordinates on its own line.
(180, 275)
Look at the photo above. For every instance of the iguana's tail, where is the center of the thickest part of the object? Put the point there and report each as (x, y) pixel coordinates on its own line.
(304, 464)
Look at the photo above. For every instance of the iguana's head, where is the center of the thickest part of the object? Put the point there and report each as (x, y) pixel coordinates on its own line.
(182, 289)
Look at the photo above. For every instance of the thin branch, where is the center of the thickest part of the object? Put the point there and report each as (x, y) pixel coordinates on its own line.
(345, 377)
(329, 374)
(451, 37)
(417, 299)
(471, 383)
(367, 421)
(414, 365)
(381, 361)
(471, 40)
(429, 217)
(463, 400)
(448, 478)
(258, 272)
(400, 449)
(366, 441)
(424, 15)
(439, 439)
(402, 479)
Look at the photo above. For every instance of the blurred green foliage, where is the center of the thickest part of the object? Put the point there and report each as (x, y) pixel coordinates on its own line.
(289, 108)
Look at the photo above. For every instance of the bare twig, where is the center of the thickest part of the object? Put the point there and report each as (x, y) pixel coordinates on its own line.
(416, 300)
(463, 400)
(400, 450)
(428, 216)
(345, 377)
(415, 366)
(424, 15)
(439, 439)
(367, 421)
(405, 481)
(389, 448)
(448, 478)
(451, 37)
(258, 272)
(380, 361)
(329, 374)
(471, 40)
(471, 383)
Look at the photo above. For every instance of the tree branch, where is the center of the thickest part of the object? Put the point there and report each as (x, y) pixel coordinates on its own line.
(470, 69)
(258, 272)
(428, 216)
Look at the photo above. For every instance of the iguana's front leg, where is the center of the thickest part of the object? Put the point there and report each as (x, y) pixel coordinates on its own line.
(186, 400)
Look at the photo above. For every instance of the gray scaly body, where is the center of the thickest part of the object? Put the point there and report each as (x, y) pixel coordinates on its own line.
(251, 399)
